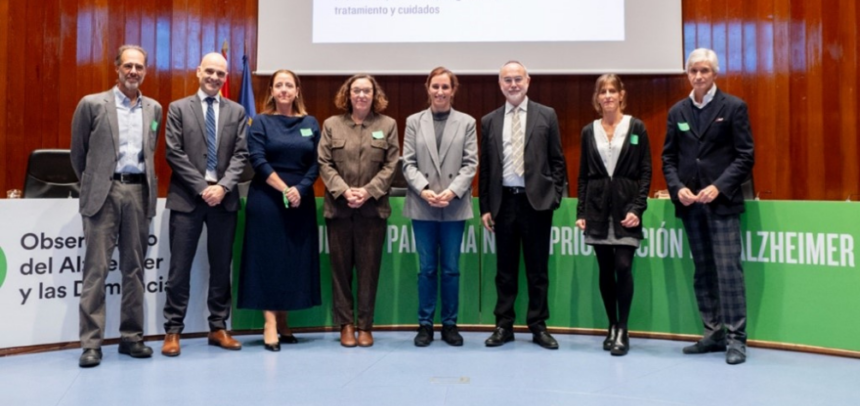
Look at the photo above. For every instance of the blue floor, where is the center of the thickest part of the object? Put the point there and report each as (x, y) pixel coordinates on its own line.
(318, 371)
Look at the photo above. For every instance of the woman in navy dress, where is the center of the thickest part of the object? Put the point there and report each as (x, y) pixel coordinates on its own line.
(280, 258)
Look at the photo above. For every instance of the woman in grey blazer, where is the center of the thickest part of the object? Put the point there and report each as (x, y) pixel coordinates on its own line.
(440, 157)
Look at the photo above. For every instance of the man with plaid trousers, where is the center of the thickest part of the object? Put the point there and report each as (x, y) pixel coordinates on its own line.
(707, 156)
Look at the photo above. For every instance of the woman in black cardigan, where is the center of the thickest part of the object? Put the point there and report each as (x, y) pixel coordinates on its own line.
(614, 180)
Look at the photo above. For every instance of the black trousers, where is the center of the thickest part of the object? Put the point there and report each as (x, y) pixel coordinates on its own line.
(185, 230)
(518, 225)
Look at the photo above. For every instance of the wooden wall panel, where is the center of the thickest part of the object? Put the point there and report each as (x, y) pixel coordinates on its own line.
(777, 93)
(13, 134)
(52, 53)
(849, 167)
(793, 61)
(4, 74)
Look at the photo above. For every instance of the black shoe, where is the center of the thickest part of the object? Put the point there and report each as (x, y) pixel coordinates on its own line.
(737, 354)
(500, 336)
(272, 347)
(543, 339)
(136, 349)
(705, 345)
(425, 335)
(287, 339)
(621, 344)
(611, 332)
(91, 357)
(451, 335)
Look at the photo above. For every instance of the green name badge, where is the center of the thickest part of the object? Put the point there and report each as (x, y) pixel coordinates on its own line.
(307, 132)
(154, 125)
(683, 126)
(377, 135)
(634, 139)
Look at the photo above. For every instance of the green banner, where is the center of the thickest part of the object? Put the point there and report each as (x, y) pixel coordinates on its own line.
(799, 264)
(397, 296)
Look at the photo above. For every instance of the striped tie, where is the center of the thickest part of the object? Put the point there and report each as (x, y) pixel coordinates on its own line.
(517, 142)
(212, 152)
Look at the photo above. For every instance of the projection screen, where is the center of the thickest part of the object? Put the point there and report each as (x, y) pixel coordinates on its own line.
(340, 37)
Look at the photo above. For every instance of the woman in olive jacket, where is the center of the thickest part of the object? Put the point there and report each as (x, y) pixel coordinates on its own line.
(614, 180)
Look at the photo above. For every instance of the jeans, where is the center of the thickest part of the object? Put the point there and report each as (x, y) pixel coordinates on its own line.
(438, 242)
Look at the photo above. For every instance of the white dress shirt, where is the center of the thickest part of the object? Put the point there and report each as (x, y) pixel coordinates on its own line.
(705, 100)
(509, 175)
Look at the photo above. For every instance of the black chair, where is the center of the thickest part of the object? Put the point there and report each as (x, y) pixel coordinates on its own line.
(398, 184)
(245, 180)
(50, 175)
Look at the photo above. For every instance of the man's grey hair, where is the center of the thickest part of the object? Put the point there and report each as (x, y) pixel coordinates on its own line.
(516, 63)
(703, 55)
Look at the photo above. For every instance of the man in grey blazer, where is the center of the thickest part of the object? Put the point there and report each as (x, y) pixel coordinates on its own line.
(114, 135)
(207, 151)
(522, 178)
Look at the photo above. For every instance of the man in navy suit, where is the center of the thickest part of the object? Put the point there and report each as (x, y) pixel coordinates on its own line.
(522, 178)
(708, 154)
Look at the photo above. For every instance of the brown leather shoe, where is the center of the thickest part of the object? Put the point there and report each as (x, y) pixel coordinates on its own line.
(365, 338)
(220, 338)
(170, 347)
(347, 335)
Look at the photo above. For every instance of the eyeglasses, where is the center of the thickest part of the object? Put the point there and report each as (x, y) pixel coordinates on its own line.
(357, 91)
(511, 80)
(128, 66)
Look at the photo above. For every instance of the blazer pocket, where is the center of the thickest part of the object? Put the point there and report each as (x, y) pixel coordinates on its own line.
(229, 129)
(378, 150)
(86, 185)
(717, 130)
(153, 140)
(338, 152)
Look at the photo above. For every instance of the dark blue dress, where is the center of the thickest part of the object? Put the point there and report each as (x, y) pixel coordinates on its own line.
(280, 258)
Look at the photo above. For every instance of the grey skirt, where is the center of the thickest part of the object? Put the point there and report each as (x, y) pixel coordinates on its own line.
(611, 239)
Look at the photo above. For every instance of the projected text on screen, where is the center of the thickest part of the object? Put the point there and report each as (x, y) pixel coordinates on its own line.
(427, 21)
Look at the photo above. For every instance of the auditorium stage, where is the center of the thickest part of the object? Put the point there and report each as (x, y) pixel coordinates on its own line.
(318, 371)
